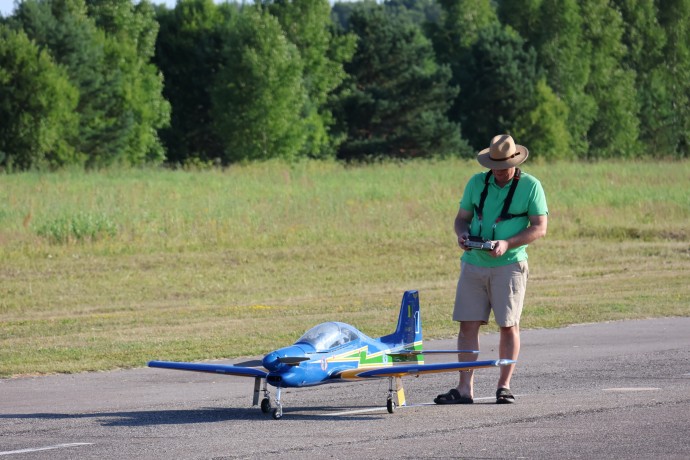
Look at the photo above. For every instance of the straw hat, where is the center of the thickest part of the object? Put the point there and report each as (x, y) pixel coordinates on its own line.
(503, 153)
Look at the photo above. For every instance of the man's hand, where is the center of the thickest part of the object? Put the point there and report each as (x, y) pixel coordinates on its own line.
(461, 241)
(536, 230)
(500, 248)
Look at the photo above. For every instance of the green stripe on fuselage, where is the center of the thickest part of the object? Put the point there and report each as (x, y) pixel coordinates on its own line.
(380, 357)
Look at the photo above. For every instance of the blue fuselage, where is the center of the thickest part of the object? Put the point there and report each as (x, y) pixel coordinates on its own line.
(316, 370)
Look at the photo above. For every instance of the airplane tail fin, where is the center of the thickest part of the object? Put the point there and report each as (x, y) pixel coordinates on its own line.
(409, 329)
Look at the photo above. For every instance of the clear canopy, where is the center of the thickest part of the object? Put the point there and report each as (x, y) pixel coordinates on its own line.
(329, 335)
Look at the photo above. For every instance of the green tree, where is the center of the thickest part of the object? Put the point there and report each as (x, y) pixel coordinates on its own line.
(420, 12)
(396, 99)
(645, 40)
(498, 84)
(453, 35)
(74, 42)
(614, 131)
(554, 28)
(120, 106)
(525, 16)
(674, 17)
(190, 53)
(308, 25)
(36, 106)
(131, 36)
(544, 126)
(257, 96)
(460, 24)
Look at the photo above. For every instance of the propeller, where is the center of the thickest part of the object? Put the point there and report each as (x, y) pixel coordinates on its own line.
(292, 360)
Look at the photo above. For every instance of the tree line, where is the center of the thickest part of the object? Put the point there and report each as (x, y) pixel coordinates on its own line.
(95, 83)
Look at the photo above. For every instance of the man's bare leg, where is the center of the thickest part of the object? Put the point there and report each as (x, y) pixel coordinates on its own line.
(468, 339)
(508, 348)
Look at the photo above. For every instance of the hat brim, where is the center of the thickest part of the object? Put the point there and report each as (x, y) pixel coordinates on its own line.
(485, 160)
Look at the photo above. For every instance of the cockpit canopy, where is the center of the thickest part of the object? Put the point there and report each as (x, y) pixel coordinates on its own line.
(329, 335)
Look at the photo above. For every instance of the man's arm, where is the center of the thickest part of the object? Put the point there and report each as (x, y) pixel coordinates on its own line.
(536, 229)
(462, 226)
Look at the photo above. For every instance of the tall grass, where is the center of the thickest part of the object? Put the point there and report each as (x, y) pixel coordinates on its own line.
(112, 268)
(272, 205)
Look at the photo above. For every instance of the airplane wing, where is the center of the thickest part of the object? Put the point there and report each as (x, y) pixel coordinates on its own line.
(210, 368)
(417, 369)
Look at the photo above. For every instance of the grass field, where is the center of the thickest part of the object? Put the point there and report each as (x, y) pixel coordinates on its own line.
(110, 269)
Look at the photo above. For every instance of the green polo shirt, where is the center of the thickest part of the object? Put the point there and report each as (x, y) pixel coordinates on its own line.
(529, 198)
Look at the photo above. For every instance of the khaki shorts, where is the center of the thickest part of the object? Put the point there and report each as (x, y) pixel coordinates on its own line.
(482, 289)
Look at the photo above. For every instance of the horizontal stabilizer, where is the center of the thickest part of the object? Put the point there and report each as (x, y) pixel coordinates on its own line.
(430, 352)
(418, 369)
(210, 368)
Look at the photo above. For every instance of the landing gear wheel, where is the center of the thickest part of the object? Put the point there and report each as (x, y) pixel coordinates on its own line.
(390, 405)
(278, 413)
(265, 405)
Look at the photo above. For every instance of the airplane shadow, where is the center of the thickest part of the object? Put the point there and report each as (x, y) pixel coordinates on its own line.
(194, 416)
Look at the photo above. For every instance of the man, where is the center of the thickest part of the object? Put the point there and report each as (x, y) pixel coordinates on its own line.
(506, 208)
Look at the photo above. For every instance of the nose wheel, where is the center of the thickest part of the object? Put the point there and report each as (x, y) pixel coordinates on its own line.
(278, 411)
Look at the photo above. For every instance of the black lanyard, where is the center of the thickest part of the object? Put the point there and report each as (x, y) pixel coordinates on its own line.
(505, 215)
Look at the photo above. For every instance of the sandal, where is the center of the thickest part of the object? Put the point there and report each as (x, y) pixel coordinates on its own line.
(504, 396)
(453, 397)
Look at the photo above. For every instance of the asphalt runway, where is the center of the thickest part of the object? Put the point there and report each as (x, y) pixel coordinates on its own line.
(618, 390)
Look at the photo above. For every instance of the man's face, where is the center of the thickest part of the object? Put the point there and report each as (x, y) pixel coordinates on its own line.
(503, 175)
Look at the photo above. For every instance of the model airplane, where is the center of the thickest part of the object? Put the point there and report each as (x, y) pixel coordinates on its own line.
(337, 352)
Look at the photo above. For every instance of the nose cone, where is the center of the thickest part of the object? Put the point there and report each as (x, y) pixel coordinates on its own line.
(280, 360)
(271, 361)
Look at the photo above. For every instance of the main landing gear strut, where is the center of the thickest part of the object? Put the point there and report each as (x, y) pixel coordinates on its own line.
(395, 390)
